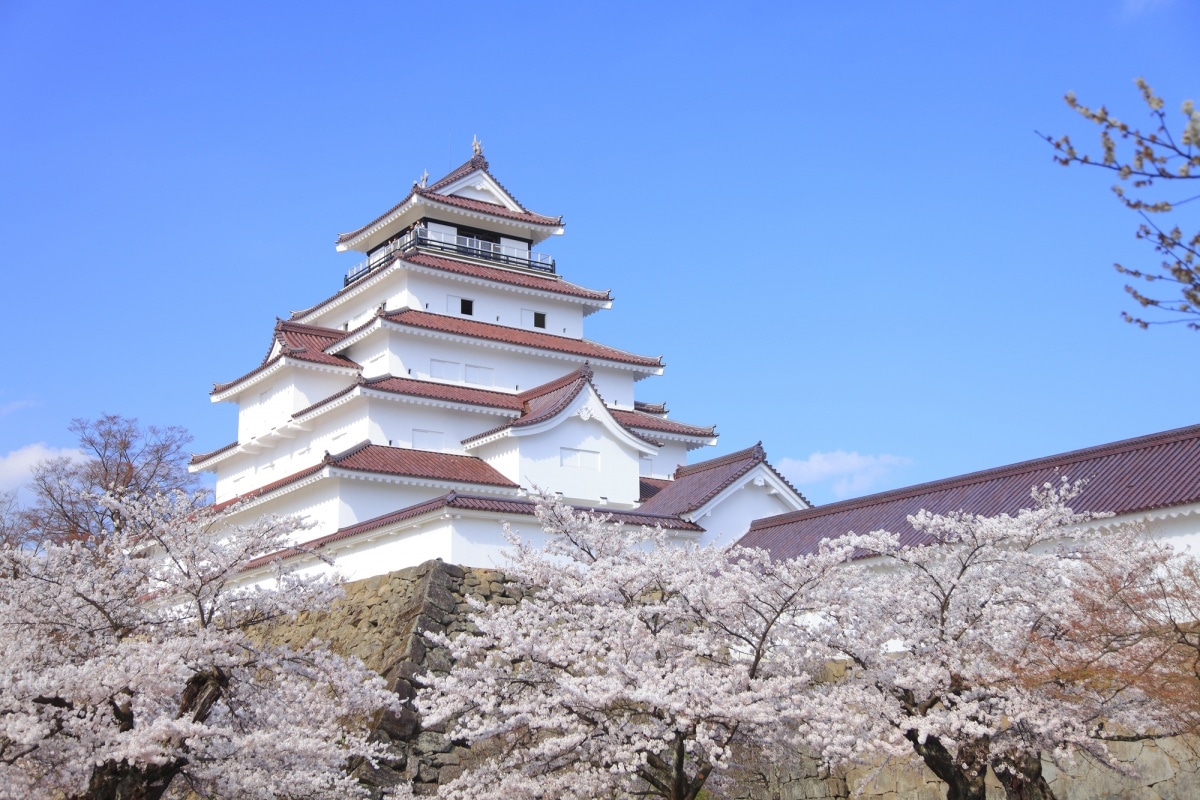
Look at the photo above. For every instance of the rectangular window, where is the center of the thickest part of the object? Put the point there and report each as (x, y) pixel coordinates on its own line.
(532, 319)
(646, 466)
(445, 370)
(579, 459)
(460, 305)
(428, 440)
(480, 376)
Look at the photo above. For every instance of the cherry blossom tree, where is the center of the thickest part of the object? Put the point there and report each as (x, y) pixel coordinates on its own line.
(1144, 160)
(974, 651)
(633, 667)
(128, 669)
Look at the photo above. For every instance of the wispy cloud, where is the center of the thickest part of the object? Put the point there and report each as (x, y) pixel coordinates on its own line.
(1136, 8)
(15, 467)
(15, 405)
(843, 474)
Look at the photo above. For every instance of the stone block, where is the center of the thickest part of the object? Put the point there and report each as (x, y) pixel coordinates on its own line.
(430, 742)
(401, 724)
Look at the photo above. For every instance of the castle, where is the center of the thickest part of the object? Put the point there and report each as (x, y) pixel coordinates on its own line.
(412, 412)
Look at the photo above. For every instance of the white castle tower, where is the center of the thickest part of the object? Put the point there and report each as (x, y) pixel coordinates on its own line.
(410, 413)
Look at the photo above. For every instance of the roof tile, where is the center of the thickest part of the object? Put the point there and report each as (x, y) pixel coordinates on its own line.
(517, 336)
(1133, 475)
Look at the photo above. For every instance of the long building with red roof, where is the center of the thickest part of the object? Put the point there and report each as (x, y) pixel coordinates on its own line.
(448, 380)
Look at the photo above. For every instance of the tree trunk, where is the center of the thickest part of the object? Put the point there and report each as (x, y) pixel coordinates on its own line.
(964, 776)
(120, 781)
(1021, 777)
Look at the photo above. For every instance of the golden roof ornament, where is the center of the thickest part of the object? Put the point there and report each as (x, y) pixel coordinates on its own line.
(476, 145)
(424, 178)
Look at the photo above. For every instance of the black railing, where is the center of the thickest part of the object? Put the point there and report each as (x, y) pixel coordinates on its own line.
(424, 239)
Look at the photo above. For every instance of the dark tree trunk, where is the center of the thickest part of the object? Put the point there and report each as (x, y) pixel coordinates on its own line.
(1021, 777)
(120, 781)
(964, 775)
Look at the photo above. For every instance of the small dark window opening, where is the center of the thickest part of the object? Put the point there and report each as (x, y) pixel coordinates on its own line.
(539, 319)
(466, 307)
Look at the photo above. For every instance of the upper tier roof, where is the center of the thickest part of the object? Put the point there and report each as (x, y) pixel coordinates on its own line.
(696, 484)
(523, 280)
(1130, 476)
(451, 191)
(296, 341)
(399, 461)
(517, 336)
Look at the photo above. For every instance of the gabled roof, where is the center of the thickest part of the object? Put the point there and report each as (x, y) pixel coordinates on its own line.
(466, 502)
(1130, 476)
(696, 484)
(398, 461)
(545, 402)
(650, 422)
(476, 164)
(517, 336)
(299, 342)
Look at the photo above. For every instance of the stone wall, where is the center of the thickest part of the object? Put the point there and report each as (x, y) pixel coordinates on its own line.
(382, 621)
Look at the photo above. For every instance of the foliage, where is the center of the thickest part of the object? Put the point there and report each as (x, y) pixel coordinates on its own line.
(128, 670)
(1159, 156)
(973, 651)
(121, 457)
(634, 668)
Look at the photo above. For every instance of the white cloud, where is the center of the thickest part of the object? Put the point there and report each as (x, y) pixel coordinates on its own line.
(15, 467)
(844, 474)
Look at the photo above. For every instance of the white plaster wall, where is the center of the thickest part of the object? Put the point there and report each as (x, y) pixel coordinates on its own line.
(312, 386)
(406, 548)
(498, 306)
(615, 386)
(316, 503)
(480, 542)
(393, 422)
(266, 405)
(616, 477)
(361, 499)
(504, 456)
(669, 456)
(360, 308)
(510, 369)
(726, 522)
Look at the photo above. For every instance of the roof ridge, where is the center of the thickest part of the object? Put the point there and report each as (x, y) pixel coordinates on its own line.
(465, 168)
(557, 383)
(754, 452)
(1008, 470)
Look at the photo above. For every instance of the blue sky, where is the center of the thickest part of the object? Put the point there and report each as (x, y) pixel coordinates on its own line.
(835, 221)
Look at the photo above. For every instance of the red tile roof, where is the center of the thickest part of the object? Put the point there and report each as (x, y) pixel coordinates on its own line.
(696, 484)
(432, 193)
(650, 487)
(198, 458)
(381, 460)
(517, 336)
(548, 401)
(1130, 476)
(473, 503)
(649, 408)
(419, 464)
(539, 282)
(640, 420)
(484, 207)
(447, 392)
(300, 342)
